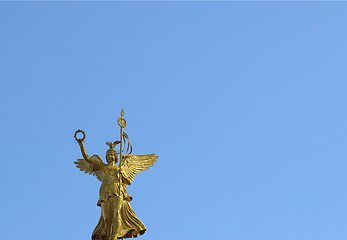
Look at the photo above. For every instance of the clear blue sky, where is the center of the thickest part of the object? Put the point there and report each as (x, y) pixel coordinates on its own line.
(244, 102)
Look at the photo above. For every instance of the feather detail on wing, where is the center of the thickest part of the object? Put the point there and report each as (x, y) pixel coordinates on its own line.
(94, 165)
(133, 164)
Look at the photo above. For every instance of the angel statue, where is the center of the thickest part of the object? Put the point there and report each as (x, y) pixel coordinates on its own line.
(118, 220)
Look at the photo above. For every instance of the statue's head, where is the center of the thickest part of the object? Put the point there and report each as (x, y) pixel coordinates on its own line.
(111, 154)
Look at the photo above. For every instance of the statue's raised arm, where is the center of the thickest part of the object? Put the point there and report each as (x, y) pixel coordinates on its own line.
(92, 165)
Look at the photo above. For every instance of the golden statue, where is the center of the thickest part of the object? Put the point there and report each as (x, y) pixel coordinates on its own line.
(118, 220)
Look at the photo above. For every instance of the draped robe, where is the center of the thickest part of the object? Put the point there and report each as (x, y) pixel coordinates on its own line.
(117, 219)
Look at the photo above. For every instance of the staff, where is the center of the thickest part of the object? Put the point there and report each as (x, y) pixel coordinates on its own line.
(122, 123)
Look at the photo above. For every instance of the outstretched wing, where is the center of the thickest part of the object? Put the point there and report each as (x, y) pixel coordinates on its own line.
(94, 165)
(133, 164)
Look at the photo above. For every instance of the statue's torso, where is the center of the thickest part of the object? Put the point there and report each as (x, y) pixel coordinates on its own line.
(110, 183)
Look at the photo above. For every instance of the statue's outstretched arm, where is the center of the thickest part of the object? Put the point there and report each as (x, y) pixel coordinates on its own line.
(83, 150)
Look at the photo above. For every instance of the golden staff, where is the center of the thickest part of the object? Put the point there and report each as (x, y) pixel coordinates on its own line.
(122, 123)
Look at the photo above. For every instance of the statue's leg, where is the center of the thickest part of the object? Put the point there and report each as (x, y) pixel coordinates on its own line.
(108, 213)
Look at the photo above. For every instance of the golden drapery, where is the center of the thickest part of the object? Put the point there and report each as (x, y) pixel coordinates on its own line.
(117, 219)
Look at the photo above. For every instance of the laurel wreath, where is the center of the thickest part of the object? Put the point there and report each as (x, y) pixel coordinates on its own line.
(80, 139)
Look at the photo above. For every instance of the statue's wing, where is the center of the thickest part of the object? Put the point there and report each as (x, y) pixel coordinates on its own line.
(94, 165)
(133, 164)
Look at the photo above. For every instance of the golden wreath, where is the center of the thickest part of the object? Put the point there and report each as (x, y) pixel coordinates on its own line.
(80, 139)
